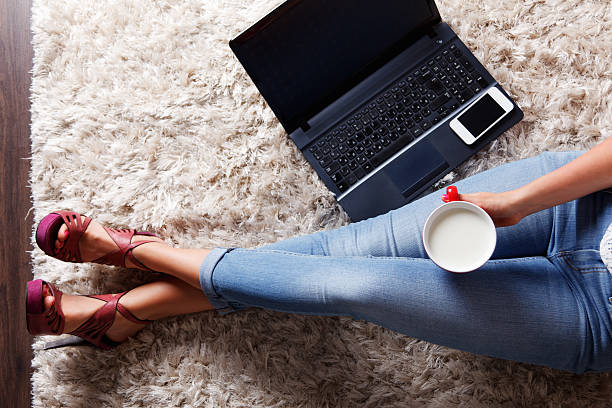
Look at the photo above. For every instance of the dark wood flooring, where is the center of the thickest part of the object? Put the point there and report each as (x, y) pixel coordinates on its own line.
(15, 223)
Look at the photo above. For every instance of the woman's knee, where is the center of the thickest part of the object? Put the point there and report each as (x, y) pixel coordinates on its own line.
(352, 295)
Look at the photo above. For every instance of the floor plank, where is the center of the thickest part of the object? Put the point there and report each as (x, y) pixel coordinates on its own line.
(15, 223)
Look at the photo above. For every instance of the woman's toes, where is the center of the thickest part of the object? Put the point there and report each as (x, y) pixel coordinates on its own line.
(62, 236)
(49, 301)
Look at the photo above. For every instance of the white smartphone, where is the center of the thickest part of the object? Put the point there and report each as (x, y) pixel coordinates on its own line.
(481, 115)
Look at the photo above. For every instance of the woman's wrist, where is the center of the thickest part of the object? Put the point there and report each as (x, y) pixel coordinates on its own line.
(524, 202)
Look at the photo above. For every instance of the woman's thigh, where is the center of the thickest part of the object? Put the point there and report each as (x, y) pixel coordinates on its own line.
(398, 232)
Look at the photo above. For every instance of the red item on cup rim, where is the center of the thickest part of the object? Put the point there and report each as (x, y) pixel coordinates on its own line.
(452, 194)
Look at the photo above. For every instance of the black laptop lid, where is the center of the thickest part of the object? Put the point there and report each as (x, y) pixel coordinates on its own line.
(307, 53)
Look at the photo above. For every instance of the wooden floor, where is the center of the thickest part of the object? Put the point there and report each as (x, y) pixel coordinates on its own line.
(15, 223)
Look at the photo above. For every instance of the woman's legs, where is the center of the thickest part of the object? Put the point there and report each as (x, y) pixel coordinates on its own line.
(521, 309)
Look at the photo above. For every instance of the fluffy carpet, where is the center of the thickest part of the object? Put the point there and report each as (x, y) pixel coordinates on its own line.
(142, 117)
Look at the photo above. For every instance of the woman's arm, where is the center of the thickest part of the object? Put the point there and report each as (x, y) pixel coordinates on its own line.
(586, 174)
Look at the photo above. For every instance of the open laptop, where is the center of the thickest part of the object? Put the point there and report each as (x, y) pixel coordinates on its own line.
(381, 96)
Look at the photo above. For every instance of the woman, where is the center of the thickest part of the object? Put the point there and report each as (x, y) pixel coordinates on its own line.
(543, 298)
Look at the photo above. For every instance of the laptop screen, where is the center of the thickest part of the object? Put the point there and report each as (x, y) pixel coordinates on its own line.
(307, 53)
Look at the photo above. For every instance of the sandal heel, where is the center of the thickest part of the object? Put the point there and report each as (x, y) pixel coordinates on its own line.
(68, 341)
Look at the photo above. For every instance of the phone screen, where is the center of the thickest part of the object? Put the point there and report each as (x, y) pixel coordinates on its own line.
(481, 115)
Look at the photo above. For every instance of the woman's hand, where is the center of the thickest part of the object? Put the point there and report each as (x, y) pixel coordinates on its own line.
(502, 207)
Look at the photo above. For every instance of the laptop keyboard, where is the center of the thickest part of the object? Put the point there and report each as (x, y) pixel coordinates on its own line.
(396, 116)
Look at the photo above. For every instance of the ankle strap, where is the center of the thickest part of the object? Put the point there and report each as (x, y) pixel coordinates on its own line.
(129, 315)
(114, 301)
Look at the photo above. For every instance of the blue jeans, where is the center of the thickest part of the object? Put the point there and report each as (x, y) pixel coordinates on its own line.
(544, 297)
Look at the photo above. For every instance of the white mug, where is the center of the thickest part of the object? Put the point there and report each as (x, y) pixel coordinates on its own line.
(459, 236)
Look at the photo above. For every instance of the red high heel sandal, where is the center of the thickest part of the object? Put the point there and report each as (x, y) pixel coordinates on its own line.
(49, 226)
(92, 331)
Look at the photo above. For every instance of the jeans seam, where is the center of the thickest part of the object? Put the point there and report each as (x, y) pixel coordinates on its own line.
(272, 251)
(277, 251)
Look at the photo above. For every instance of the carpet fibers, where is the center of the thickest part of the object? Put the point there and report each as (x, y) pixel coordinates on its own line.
(142, 117)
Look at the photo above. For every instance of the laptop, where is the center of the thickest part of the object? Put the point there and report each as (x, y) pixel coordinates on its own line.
(381, 97)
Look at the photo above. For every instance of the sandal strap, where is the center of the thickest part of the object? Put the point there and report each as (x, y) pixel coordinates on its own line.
(70, 251)
(130, 316)
(56, 315)
(123, 239)
(120, 308)
(94, 329)
(130, 255)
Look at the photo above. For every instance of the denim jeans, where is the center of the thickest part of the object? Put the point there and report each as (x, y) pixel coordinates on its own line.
(544, 297)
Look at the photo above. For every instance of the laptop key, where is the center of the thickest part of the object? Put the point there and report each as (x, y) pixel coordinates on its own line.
(342, 186)
(466, 94)
(336, 178)
(435, 85)
(350, 179)
(332, 167)
(359, 173)
(426, 76)
(391, 149)
(439, 101)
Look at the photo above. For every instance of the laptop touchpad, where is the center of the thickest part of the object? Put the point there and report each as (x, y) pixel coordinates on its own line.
(415, 167)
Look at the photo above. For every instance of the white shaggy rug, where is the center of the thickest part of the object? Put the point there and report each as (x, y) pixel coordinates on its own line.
(142, 117)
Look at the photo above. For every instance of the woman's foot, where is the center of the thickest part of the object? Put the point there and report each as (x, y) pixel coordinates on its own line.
(66, 235)
(78, 309)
